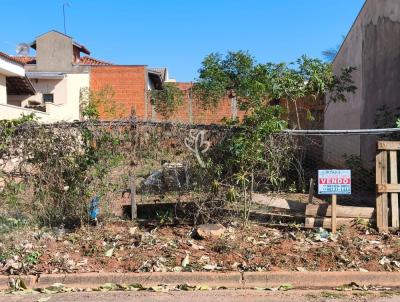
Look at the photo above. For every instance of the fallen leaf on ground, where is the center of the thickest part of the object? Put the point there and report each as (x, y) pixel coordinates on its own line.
(210, 267)
(203, 287)
(44, 299)
(285, 287)
(135, 287)
(185, 261)
(109, 252)
(185, 287)
(159, 288)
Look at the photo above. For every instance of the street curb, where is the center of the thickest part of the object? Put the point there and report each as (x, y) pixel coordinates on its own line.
(300, 280)
(321, 280)
(231, 280)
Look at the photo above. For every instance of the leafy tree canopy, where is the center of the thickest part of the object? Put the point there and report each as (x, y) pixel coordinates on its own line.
(254, 84)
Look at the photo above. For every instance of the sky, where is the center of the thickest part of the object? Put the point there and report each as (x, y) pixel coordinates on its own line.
(178, 34)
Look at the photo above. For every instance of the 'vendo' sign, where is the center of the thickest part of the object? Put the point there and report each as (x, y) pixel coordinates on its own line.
(334, 182)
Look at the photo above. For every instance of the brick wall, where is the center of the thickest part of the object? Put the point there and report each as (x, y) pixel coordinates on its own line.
(129, 84)
(192, 112)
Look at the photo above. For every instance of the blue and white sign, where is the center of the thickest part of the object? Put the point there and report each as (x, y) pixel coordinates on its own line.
(334, 182)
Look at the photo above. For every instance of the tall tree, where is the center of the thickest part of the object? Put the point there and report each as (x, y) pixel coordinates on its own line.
(255, 84)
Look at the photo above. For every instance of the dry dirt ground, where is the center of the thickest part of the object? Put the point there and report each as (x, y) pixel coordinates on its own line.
(208, 296)
(123, 246)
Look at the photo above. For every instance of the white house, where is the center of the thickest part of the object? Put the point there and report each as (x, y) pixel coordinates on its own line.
(58, 73)
(13, 82)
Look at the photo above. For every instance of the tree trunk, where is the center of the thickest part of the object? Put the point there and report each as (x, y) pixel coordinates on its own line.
(297, 113)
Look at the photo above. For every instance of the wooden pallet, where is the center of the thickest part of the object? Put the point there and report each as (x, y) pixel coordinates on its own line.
(387, 186)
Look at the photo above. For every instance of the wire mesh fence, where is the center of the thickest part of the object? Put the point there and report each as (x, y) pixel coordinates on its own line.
(55, 169)
(354, 150)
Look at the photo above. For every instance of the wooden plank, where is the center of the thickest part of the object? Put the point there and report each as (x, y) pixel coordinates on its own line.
(279, 203)
(388, 188)
(333, 213)
(385, 213)
(311, 191)
(326, 223)
(385, 218)
(378, 173)
(387, 145)
(324, 210)
(394, 196)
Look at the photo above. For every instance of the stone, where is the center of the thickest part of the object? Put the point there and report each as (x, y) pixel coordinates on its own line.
(206, 231)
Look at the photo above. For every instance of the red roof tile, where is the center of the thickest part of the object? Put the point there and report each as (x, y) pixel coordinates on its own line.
(10, 58)
(32, 60)
(92, 61)
(25, 60)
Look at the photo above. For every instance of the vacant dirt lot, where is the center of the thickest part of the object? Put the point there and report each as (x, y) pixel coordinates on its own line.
(124, 246)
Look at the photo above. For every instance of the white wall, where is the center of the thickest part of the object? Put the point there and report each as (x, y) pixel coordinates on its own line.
(66, 106)
(8, 112)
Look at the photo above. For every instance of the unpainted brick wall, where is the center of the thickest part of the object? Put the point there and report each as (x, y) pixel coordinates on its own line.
(129, 84)
(192, 112)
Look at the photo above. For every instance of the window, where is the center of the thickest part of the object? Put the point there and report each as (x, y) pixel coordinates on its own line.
(48, 97)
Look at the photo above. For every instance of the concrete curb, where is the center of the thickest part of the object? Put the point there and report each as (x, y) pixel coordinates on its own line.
(300, 280)
(321, 280)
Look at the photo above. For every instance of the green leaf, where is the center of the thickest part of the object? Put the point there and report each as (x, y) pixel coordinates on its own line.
(285, 287)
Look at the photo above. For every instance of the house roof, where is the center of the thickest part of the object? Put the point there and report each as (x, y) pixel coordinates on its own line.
(81, 47)
(156, 75)
(19, 86)
(11, 59)
(161, 70)
(83, 60)
(25, 59)
(156, 78)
